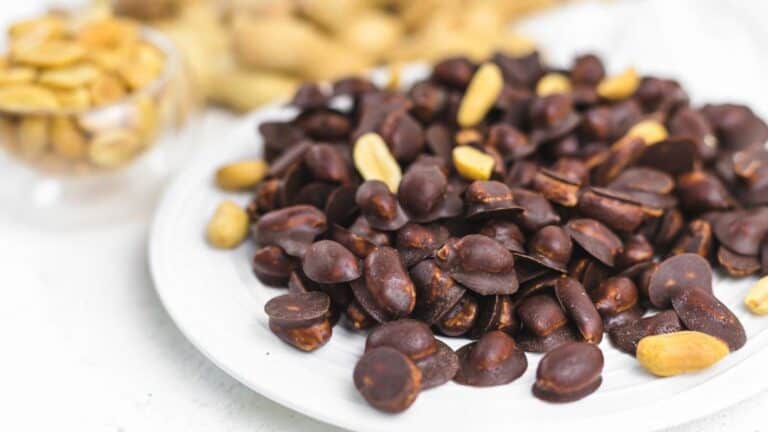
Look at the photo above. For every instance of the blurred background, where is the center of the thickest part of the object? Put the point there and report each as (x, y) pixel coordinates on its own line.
(87, 153)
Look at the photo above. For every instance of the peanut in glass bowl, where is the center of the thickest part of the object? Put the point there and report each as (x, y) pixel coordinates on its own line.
(98, 140)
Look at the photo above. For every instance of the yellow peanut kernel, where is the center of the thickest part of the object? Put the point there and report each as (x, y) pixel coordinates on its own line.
(106, 89)
(482, 92)
(619, 87)
(69, 77)
(17, 75)
(53, 53)
(114, 147)
(74, 99)
(241, 175)
(228, 227)
(757, 298)
(553, 83)
(651, 131)
(472, 163)
(374, 161)
(32, 136)
(27, 97)
(680, 352)
(66, 139)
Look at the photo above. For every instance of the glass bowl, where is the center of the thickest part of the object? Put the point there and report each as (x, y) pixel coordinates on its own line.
(74, 142)
(102, 161)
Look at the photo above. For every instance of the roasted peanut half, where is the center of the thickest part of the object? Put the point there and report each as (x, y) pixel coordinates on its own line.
(241, 175)
(680, 352)
(757, 299)
(553, 83)
(472, 163)
(66, 139)
(374, 161)
(481, 93)
(619, 86)
(114, 147)
(228, 226)
(651, 131)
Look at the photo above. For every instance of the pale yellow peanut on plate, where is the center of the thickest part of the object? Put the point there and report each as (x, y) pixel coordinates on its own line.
(651, 131)
(241, 175)
(619, 87)
(680, 352)
(472, 163)
(757, 298)
(553, 83)
(482, 92)
(374, 161)
(228, 227)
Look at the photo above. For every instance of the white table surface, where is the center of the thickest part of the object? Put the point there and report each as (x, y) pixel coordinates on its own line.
(88, 347)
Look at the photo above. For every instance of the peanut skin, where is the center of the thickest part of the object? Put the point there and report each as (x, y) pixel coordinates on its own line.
(680, 352)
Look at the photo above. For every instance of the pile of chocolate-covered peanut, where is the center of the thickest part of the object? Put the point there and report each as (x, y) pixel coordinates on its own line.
(526, 207)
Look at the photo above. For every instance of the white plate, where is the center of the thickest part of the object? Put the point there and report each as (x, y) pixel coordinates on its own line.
(218, 304)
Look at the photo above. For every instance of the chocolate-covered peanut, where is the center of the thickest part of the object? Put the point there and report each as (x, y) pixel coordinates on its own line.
(410, 337)
(329, 262)
(480, 264)
(627, 336)
(616, 299)
(699, 310)
(551, 247)
(460, 318)
(541, 314)
(436, 292)
(569, 373)
(325, 162)
(292, 228)
(576, 303)
(596, 239)
(493, 360)
(272, 266)
(387, 379)
(696, 238)
(380, 206)
(388, 282)
(507, 233)
(489, 199)
(678, 273)
(300, 320)
(439, 368)
(417, 242)
(556, 187)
